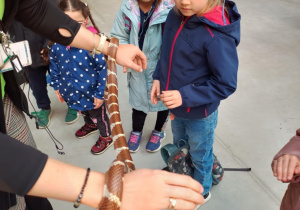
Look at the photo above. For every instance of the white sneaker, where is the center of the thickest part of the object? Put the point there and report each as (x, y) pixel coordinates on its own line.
(207, 196)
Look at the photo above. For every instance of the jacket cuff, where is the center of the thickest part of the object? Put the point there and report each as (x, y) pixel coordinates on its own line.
(99, 96)
(184, 98)
(291, 148)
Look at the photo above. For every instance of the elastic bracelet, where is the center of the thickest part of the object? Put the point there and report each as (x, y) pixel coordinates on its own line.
(102, 41)
(93, 51)
(48, 47)
(77, 203)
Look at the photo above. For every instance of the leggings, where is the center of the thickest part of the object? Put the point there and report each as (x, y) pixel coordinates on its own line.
(100, 118)
(139, 117)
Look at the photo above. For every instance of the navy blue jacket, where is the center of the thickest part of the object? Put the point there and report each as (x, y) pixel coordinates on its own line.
(199, 59)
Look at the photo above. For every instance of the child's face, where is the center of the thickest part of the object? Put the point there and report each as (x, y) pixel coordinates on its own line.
(146, 1)
(191, 7)
(77, 16)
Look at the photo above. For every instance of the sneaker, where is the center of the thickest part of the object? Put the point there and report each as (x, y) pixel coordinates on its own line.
(206, 197)
(43, 117)
(155, 140)
(134, 141)
(72, 116)
(86, 130)
(101, 145)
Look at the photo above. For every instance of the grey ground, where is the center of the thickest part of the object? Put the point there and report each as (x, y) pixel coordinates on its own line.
(254, 123)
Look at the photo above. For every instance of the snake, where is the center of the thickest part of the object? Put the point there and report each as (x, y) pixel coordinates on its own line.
(114, 177)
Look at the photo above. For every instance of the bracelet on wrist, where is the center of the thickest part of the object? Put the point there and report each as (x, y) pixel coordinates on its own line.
(77, 203)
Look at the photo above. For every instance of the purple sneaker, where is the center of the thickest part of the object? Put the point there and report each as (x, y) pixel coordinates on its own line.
(134, 141)
(154, 143)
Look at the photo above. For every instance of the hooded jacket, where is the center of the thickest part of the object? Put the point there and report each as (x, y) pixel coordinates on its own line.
(126, 28)
(291, 199)
(199, 59)
(77, 75)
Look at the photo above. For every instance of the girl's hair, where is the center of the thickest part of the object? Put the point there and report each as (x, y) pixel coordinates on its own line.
(158, 2)
(77, 5)
(211, 4)
(71, 6)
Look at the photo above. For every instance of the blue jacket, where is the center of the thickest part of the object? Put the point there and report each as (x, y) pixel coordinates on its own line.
(78, 76)
(126, 28)
(199, 59)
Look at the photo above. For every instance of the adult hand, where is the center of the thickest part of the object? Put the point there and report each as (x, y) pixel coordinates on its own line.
(60, 98)
(131, 56)
(285, 167)
(152, 189)
(155, 91)
(171, 98)
(98, 102)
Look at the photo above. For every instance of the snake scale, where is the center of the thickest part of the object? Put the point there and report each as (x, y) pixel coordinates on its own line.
(112, 193)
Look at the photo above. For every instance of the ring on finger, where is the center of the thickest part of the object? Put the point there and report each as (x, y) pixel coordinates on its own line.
(172, 203)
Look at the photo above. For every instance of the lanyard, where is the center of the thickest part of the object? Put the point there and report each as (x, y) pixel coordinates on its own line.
(2, 82)
(2, 3)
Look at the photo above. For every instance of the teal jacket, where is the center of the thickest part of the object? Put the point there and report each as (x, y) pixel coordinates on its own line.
(126, 27)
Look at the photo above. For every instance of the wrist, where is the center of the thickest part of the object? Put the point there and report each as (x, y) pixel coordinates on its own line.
(102, 46)
(94, 190)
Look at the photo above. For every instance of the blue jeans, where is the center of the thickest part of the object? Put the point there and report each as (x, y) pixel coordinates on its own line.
(200, 135)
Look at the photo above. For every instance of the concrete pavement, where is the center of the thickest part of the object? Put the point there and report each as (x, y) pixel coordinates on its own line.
(254, 123)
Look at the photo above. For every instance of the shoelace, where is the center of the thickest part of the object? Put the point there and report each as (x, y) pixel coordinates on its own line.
(154, 139)
(133, 138)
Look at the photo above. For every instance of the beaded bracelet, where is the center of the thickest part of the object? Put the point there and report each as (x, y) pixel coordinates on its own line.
(77, 203)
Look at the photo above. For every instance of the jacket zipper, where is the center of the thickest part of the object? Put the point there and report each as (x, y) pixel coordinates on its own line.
(172, 49)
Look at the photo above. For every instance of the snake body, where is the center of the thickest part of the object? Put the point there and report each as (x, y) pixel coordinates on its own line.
(112, 193)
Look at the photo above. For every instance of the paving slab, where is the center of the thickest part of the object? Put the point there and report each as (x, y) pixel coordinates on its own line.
(254, 123)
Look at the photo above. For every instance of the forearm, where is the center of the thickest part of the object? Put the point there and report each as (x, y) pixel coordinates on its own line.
(64, 182)
(84, 39)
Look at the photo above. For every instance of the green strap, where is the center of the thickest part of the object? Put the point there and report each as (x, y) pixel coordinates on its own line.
(2, 4)
(2, 85)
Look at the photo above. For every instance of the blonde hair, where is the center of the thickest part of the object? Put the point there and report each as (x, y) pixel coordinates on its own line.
(211, 4)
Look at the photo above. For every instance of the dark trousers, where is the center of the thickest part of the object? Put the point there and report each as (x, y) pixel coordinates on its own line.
(100, 118)
(139, 117)
(38, 84)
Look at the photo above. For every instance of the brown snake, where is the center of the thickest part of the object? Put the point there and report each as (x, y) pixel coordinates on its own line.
(112, 193)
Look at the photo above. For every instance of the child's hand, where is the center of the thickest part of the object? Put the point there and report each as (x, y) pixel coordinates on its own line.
(155, 91)
(172, 116)
(98, 102)
(44, 54)
(171, 98)
(285, 167)
(60, 98)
